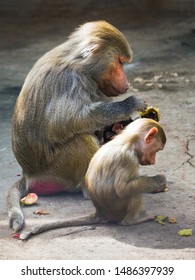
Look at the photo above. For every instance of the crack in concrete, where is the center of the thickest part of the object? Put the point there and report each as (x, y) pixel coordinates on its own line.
(191, 157)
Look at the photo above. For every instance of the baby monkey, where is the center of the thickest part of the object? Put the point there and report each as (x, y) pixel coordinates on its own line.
(108, 133)
(113, 181)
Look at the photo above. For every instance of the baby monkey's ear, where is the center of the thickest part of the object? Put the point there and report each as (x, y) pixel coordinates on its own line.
(151, 134)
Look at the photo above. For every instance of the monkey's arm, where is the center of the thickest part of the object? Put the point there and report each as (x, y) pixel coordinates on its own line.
(98, 114)
(106, 112)
(66, 121)
(141, 184)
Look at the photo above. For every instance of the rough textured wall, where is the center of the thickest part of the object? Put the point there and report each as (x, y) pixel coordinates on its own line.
(50, 7)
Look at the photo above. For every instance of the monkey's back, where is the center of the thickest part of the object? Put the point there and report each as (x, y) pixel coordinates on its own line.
(47, 112)
(109, 169)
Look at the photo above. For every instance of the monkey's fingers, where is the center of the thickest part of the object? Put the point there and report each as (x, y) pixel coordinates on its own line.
(141, 105)
(163, 188)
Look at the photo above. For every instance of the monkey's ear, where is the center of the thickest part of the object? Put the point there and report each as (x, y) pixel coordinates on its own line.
(88, 50)
(151, 134)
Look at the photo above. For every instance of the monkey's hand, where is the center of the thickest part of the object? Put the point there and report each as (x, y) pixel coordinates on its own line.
(161, 182)
(136, 103)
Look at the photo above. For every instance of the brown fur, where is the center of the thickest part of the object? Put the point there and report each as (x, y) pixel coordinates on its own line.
(113, 181)
(65, 98)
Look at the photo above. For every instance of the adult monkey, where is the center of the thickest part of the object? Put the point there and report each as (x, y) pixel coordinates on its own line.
(65, 98)
(113, 181)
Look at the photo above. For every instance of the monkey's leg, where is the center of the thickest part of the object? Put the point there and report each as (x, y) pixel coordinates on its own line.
(16, 217)
(133, 210)
(68, 168)
(73, 160)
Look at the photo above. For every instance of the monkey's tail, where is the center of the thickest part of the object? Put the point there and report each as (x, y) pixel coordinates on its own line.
(82, 221)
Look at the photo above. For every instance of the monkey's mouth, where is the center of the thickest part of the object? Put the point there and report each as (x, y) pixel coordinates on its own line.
(145, 163)
(115, 92)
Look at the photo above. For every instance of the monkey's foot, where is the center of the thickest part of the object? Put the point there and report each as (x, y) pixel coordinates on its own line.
(25, 235)
(16, 219)
(139, 221)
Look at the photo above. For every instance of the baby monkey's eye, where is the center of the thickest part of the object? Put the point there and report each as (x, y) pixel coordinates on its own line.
(121, 62)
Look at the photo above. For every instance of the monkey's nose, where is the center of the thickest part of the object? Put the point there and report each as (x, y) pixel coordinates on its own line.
(126, 88)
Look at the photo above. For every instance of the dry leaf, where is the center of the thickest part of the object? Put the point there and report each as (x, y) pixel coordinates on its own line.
(149, 84)
(41, 212)
(185, 232)
(174, 74)
(139, 80)
(157, 77)
(160, 219)
(172, 220)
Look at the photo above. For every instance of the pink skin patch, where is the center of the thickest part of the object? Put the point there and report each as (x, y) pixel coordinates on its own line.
(46, 188)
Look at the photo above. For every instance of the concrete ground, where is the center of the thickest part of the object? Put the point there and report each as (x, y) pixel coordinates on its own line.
(163, 73)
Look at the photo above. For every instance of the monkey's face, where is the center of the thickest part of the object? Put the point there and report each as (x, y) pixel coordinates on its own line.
(113, 81)
(147, 152)
(147, 146)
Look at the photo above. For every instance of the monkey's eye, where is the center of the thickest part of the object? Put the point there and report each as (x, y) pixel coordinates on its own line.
(123, 60)
(120, 61)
